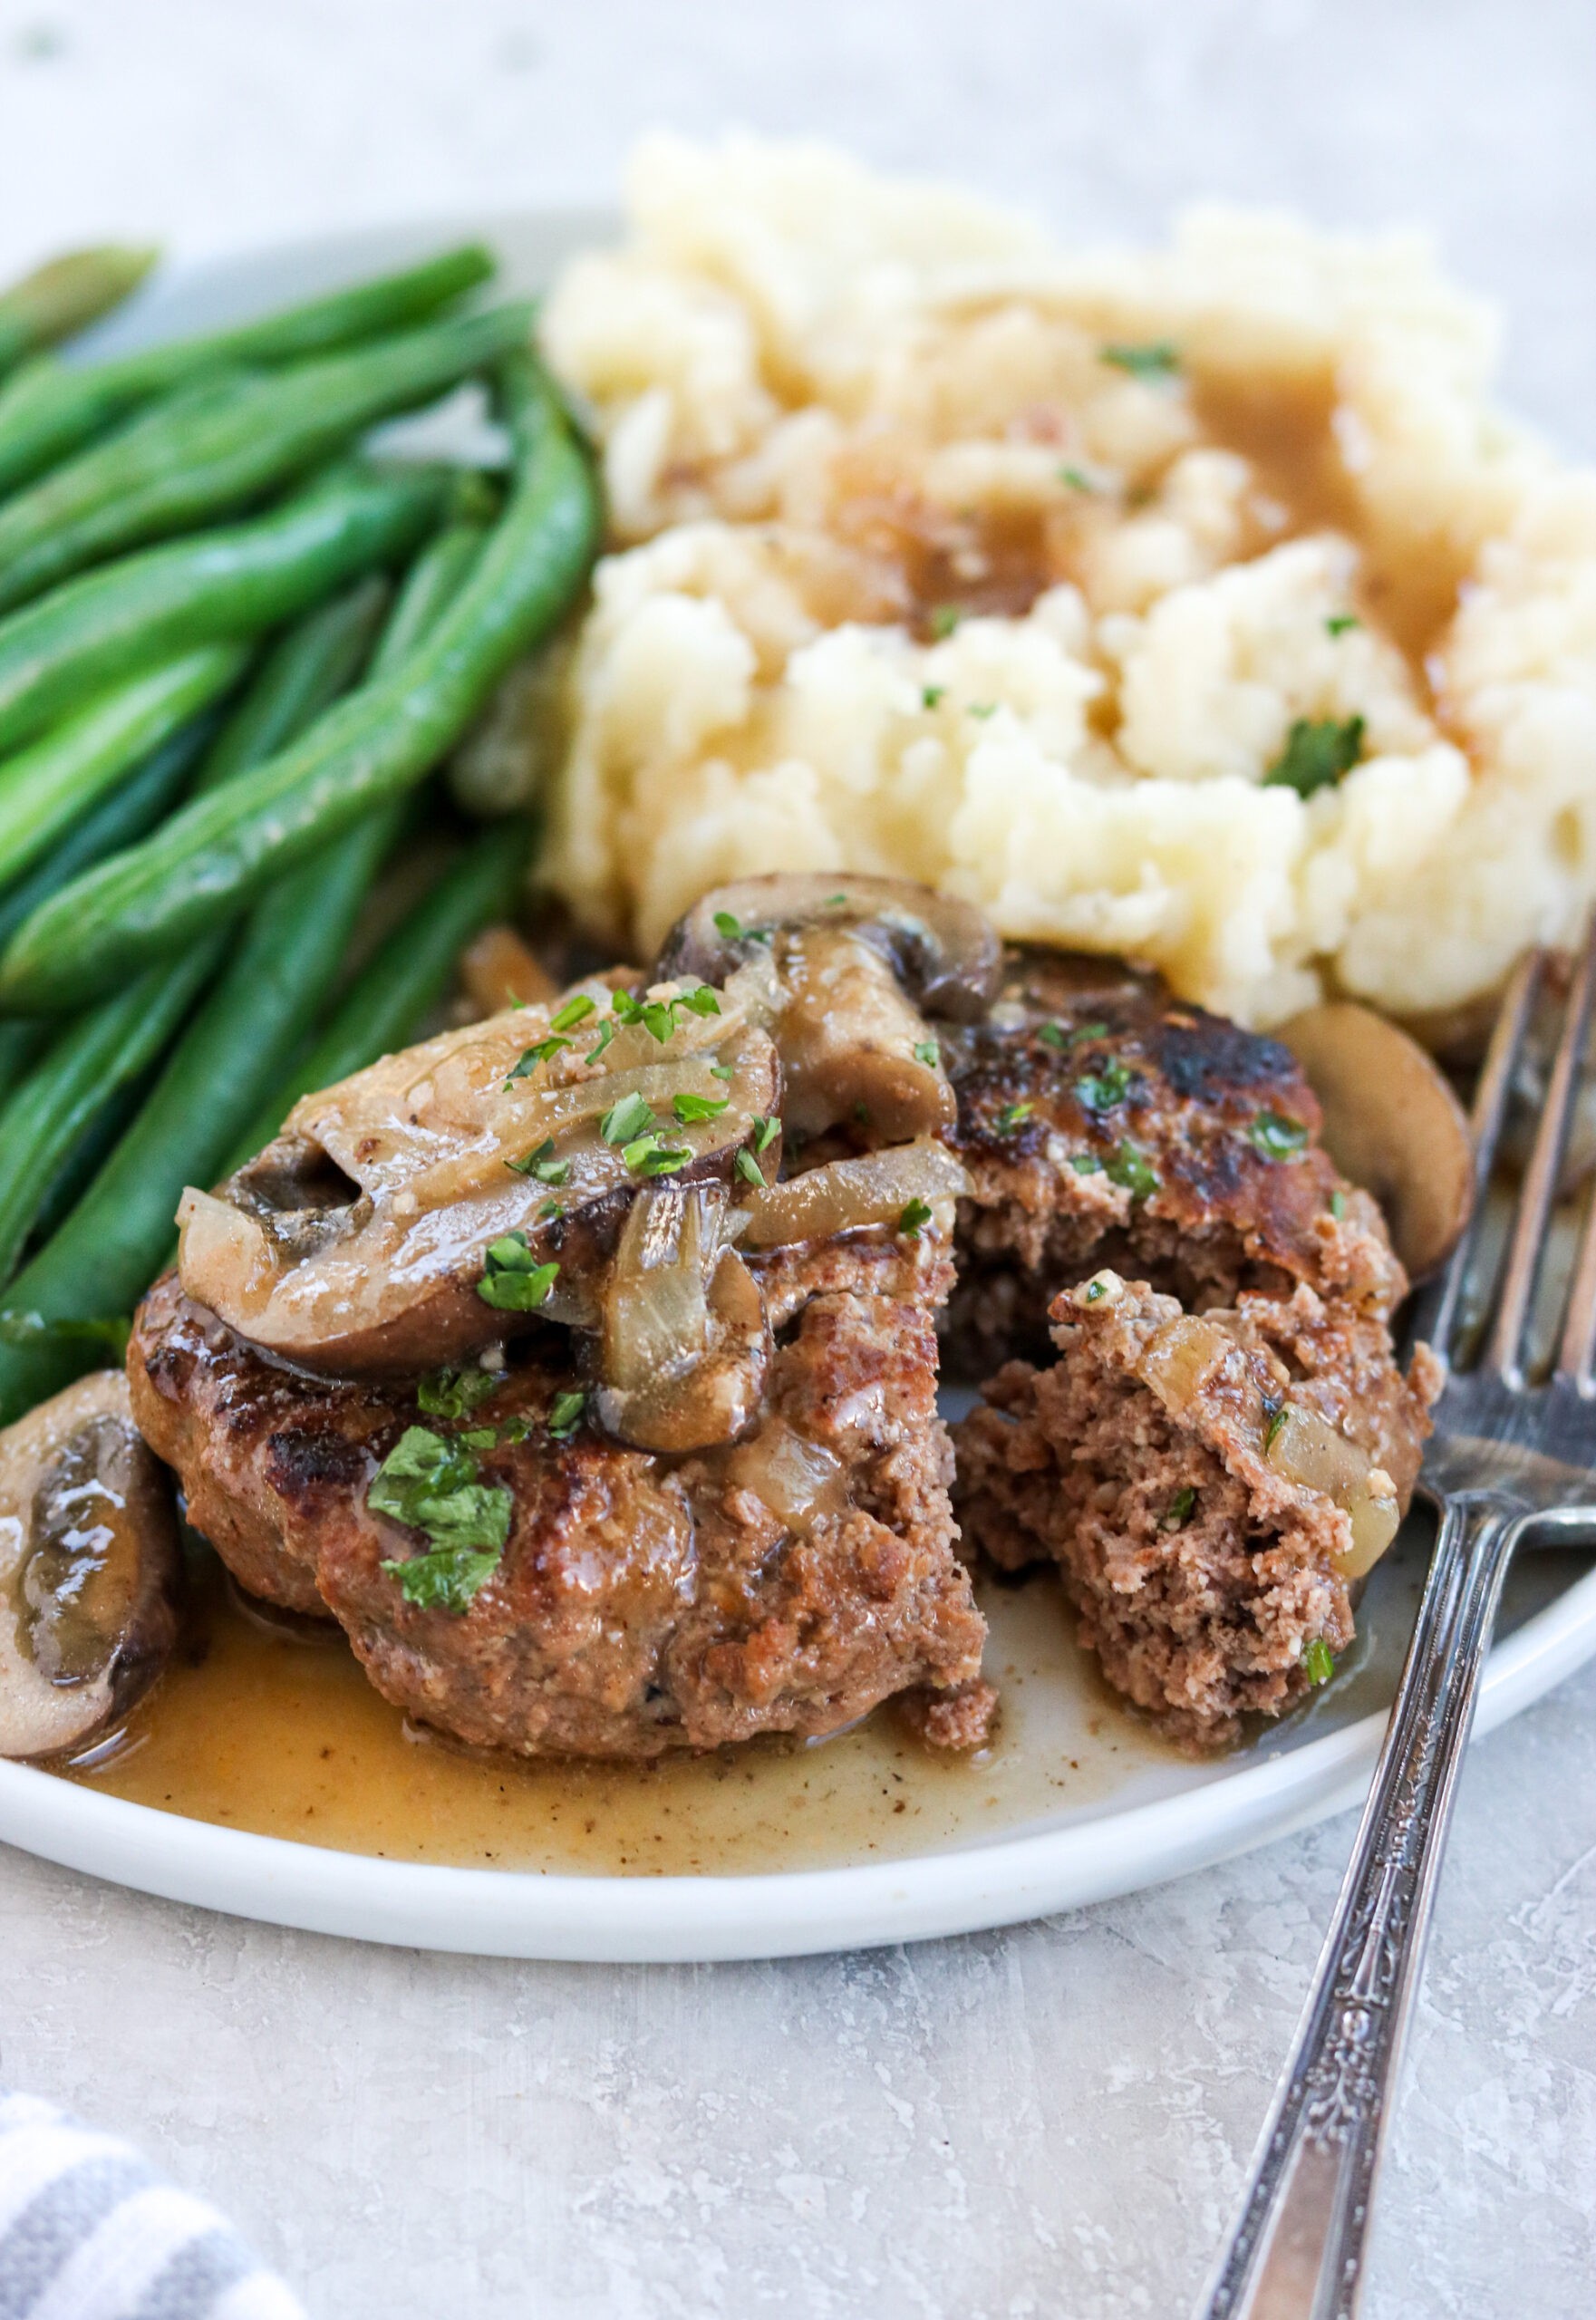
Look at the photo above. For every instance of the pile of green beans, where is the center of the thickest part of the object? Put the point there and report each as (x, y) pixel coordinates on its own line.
(227, 670)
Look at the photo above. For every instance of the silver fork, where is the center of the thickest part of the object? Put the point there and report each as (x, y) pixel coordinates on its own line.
(1508, 1457)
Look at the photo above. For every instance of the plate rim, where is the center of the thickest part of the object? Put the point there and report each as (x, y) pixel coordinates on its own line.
(605, 1918)
(619, 1920)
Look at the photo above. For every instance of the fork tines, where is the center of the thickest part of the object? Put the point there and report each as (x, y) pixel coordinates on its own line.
(1505, 1347)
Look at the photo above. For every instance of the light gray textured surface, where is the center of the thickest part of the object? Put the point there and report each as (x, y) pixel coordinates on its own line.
(1042, 2122)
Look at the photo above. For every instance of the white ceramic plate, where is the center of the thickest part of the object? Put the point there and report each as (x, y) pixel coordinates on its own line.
(1120, 1816)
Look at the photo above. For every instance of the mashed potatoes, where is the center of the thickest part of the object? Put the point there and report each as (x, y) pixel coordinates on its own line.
(1071, 583)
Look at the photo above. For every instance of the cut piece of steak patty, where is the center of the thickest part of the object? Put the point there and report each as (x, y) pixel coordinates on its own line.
(1210, 1434)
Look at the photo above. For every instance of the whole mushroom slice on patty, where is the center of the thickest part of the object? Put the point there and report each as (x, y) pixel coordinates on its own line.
(89, 1569)
(426, 1208)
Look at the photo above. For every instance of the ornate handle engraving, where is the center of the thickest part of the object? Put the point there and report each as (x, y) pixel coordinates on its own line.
(1295, 2248)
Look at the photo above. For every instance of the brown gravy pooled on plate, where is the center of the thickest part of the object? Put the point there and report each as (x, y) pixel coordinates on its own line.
(275, 1729)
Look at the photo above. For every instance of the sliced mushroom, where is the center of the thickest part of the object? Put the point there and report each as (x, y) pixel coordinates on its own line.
(358, 1239)
(1391, 1125)
(853, 1048)
(686, 1343)
(89, 1569)
(942, 951)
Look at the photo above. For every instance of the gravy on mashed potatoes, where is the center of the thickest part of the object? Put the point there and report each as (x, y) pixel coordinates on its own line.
(943, 552)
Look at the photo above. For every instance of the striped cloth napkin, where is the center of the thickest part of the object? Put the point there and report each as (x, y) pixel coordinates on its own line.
(88, 2231)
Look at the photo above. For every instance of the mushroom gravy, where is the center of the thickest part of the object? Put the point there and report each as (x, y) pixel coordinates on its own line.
(268, 1724)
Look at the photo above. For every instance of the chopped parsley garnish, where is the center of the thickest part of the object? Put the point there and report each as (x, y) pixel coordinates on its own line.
(1014, 1116)
(835, 902)
(688, 1108)
(945, 619)
(648, 1155)
(1157, 360)
(542, 1163)
(564, 1415)
(658, 1015)
(606, 1032)
(1075, 479)
(1093, 1289)
(533, 1056)
(721, 1071)
(1130, 1168)
(513, 1282)
(1179, 1507)
(1340, 622)
(1100, 1090)
(431, 1484)
(765, 1133)
(1318, 1661)
(1276, 1138)
(916, 1215)
(1337, 1205)
(982, 709)
(550, 1208)
(455, 1393)
(931, 694)
(575, 1010)
(1273, 1428)
(629, 1116)
(1053, 1035)
(1318, 752)
(1085, 1164)
(749, 1168)
(734, 931)
(927, 1051)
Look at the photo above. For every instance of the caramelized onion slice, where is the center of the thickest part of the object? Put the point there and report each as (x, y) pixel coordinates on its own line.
(89, 1569)
(942, 951)
(846, 1195)
(685, 1345)
(1391, 1123)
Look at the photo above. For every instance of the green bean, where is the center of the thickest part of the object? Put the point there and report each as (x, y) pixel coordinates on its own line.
(234, 582)
(218, 851)
(431, 585)
(47, 784)
(218, 444)
(300, 675)
(390, 1000)
(22, 1040)
(134, 807)
(65, 296)
(47, 411)
(66, 1092)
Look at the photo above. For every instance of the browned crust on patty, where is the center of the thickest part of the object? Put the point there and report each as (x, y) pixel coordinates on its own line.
(1058, 1189)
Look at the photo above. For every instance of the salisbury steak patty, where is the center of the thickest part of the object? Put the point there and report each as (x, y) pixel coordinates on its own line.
(788, 1583)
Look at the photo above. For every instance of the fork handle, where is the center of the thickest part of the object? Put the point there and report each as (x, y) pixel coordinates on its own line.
(1295, 2248)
